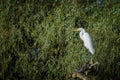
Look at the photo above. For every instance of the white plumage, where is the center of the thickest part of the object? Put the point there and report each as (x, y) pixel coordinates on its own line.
(88, 43)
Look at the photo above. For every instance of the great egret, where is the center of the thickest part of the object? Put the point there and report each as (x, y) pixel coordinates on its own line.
(88, 43)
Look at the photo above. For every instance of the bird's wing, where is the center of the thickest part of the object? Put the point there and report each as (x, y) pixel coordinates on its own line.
(88, 41)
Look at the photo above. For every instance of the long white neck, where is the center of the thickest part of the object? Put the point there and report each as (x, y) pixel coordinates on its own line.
(82, 31)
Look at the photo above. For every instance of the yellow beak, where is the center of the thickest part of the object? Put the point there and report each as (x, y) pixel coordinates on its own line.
(76, 29)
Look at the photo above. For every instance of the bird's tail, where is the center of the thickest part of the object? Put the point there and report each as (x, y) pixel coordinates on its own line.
(92, 51)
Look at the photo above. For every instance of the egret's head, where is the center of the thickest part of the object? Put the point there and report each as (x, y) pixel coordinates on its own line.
(79, 29)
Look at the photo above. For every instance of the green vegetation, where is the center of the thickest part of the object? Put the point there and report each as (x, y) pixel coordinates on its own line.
(47, 24)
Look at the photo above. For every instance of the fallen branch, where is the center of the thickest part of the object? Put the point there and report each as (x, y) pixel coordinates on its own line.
(85, 69)
(79, 75)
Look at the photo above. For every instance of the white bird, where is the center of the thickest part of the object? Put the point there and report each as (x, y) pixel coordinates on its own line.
(88, 43)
